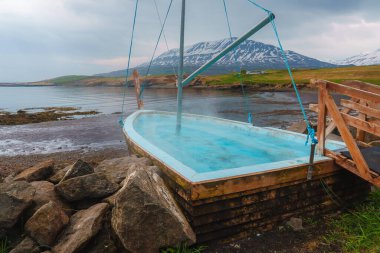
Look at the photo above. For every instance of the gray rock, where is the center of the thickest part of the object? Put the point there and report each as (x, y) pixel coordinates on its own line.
(145, 216)
(295, 224)
(40, 171)
(95, 185)
(83, 226)
(46, 223)
(15, 197)
(26, 246)
(117, 169)
(79, 168)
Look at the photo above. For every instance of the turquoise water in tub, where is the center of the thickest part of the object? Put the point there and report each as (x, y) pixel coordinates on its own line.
(207, 145)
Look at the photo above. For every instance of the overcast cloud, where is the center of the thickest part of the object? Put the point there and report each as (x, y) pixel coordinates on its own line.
(40, 39)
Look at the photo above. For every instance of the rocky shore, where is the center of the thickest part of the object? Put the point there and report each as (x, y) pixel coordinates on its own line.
(120, 205)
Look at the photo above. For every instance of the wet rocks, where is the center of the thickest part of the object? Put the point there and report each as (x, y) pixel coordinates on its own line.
(82, 227)
(46, 223)
(15, 197)
(95, 185)
(38, 172)
(145, 216)
(117, 169)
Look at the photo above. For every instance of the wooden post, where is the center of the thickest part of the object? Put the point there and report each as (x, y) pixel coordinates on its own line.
(136, 82)
(321, 128)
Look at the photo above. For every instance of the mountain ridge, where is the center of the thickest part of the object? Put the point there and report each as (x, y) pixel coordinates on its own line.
(250, 55)
(363, 59)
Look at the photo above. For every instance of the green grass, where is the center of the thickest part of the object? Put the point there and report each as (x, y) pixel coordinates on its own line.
(369, 74)
(184, 249)
(4, 245)
(67, 79)
(358, 230)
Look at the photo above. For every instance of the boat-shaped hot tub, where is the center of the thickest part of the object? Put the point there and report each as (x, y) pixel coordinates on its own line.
(209, 148)
(231, 177)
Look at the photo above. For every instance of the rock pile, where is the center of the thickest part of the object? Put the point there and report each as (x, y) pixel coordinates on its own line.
(122, 205)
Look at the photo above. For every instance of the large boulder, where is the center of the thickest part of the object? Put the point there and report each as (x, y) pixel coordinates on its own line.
(15, 197)
(145, 216)
(117, 169)
(46, 223)
(95, 185)
(79, 168)
(44, 193)
(83, 225)
(38, 172)
(26, 246)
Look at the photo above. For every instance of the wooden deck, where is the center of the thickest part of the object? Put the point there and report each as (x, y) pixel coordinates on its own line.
(358, 122)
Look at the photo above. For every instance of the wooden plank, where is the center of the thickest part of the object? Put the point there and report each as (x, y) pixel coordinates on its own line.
(220, 187)
(360, 134)
(321, 128)
(349, 91)
(371, 112)
(369, 127)
(363, 86)
(361, 164)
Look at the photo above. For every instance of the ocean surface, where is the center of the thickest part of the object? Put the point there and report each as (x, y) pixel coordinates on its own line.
(277, 109)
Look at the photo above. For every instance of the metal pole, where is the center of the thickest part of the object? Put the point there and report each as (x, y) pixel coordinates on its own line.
(180, 68)
(228, 49)
(311, 162)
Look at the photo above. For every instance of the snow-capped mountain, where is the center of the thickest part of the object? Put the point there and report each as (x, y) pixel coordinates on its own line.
(372, 58)
(250, 55)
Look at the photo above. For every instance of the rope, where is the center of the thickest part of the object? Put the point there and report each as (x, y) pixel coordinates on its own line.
(157, 42)
(310, 130)
(121, 122)
(240, 74)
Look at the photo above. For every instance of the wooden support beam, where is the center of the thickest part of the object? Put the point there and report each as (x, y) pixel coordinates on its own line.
(357, 156)
(366, 126)
(321, 128)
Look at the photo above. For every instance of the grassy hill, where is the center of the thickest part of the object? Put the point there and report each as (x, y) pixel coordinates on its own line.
(369, 74)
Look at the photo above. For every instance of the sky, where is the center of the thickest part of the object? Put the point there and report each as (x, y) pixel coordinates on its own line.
(41, 39)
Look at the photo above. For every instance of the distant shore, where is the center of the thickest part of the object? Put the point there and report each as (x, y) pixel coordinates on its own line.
(262, 80)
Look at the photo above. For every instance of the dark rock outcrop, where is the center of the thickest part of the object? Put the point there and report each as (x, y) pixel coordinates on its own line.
(44, 193)
(83, 226)
(15, 197)
(40, 171)
(26, 246)
(46, 223)
(145, 216)
(95, 185)
(117, 169)
(79, 168)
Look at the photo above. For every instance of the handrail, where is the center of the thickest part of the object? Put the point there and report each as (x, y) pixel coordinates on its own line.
(228, 49)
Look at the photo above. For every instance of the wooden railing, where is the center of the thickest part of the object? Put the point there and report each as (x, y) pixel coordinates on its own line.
(361, 112)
